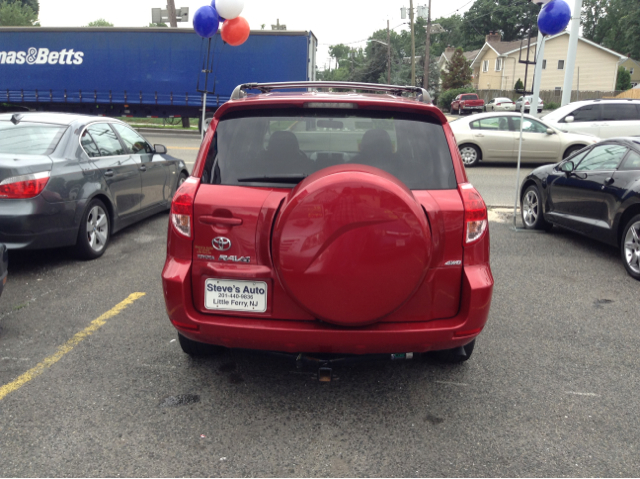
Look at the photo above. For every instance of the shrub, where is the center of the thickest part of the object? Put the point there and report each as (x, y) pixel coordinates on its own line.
(446, 97)
(551, 106)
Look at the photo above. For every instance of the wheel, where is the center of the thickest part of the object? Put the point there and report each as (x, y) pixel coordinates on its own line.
(484, 109)
(630, 247)
(181, 179)
(470, 155)
(531, 209)
(459, 111)
(571, 150)
(194, 348)
(452, 111)
(94, 233)
(455, 355)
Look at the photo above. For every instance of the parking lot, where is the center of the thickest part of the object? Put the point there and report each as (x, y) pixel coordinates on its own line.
(105, 389)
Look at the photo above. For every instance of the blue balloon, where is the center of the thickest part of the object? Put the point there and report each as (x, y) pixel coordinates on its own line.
(213, 5)
(554, 17)
(206, 21)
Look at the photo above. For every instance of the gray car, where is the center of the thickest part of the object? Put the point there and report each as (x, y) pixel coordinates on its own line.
(75, 180)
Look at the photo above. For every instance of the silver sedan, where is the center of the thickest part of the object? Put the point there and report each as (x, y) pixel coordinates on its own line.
(500, 104)
(496, 137)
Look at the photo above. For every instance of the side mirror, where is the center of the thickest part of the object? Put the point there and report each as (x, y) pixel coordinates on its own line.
(569, 119)
(550, 131)
(160, 149)
(567, 167)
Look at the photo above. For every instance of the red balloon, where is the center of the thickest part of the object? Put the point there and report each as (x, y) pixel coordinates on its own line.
(235, 32)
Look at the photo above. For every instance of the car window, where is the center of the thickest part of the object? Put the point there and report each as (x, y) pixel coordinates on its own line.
(89, 146)
(496, 123)
(529, 125)
(29, 138)
(620, 112)
(602, 157)
(632, 161)
(469, 97)
(132, 140)
(106, 140)
(251, 145)
(586, 113)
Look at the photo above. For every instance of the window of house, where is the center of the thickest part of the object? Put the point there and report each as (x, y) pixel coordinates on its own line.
(560, 64)
(558, 90)
(485, 66)
(544, 64)
(631, 71)
(498, 64)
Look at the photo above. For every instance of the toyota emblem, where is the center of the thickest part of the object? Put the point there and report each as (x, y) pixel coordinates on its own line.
(221, 243)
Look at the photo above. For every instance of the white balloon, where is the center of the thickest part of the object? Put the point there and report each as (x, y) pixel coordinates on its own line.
(229, 9)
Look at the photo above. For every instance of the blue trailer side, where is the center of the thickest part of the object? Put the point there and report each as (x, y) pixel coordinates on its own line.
(140, 71)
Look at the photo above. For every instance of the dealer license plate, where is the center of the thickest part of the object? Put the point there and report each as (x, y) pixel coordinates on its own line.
(235, 295)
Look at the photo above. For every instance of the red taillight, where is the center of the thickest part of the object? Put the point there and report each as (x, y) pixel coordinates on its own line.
(498, 104)
(182, 206)
(526, 103)
(475, 213)
(24, 186)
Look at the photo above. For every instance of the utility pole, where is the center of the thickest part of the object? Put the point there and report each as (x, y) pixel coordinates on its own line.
(425, 82)
(413, 46)
(171, 11)
(388, 54)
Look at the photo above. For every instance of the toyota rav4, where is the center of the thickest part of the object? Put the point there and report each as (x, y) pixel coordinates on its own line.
(325, 222)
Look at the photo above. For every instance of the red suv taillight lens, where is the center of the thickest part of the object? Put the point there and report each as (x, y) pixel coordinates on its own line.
(475, 212)
(182, 207)
(24, 186)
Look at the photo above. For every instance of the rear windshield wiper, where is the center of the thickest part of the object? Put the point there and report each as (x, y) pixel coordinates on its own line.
(292, 179)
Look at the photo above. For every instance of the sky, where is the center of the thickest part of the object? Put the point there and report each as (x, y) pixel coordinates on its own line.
(332, 21)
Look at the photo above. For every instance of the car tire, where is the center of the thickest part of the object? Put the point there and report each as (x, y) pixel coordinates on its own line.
(459, 111)
(470, 154)
(531, 210)
(630, 247)
(95, 231)
(197, 349)
(455, 355)
(452, 111)
(484, 109)
(571, 150)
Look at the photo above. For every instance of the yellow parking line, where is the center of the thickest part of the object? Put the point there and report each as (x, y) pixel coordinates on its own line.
(182, 148)
(66, 347)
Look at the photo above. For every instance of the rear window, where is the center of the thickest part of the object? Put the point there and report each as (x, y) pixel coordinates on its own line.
(276, 147)
(469, 97)
(29, 138)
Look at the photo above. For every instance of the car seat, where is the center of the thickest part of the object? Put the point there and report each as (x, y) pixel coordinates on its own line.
(375, 149)
(283, 154)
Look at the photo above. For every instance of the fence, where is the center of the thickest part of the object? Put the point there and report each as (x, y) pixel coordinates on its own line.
(551, 96)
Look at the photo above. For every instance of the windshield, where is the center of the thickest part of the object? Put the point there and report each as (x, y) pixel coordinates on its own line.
(469, 97)
(282, 147)
(29, 138)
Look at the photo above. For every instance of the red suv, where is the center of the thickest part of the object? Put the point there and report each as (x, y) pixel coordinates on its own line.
(328, 223)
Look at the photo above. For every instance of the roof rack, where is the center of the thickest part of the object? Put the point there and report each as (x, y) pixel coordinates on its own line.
(421, 94)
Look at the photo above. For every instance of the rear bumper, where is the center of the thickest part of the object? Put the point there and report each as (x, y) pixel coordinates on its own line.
(318, 337)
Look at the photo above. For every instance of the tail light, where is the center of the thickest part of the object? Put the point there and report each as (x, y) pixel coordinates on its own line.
(182, 207)
(475, 213)
(24, 186)
(526, 103)
(498, 104)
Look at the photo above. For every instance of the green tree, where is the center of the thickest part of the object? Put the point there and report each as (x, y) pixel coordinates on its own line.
(339, 52)
(151, 25)
(614, 24)
(101, 22)
(519, 85)
(623, 82)
(458, 72)
(15, 14)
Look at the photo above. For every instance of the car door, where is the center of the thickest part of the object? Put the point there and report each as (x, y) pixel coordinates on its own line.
(118, 167)
(537, 144)
(489, 106)
(585, 119)
(581, 200)
(494, 138)
(620, 119)
(153, 168)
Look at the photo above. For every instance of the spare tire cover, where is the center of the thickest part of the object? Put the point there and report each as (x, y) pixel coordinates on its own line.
(351, 244)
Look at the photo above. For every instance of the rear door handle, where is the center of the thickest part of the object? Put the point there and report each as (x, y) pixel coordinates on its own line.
(108, 173)
(143, 168)
(479, 135)
(609, 181)
(220, 220)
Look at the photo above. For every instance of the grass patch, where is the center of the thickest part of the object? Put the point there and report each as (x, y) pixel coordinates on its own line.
(165, 123)
(20, 306)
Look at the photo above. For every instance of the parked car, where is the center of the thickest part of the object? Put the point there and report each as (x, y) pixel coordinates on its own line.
(602, 118)
(500, 104)
(4, 263)
(328, 223)
(595, 192)
(527, 104)
(467, 103)
(496, 137)
(74, 180)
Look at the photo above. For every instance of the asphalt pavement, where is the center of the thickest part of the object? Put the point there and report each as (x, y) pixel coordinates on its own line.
(551, 389)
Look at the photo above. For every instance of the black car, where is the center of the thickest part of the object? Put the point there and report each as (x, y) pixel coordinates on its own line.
(595, 192)
(75, 179)
(4, 261)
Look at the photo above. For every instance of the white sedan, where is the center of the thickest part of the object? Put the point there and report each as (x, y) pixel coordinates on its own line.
(500, 104)
(496, 137)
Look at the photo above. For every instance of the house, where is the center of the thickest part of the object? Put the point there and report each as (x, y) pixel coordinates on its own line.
(445, 58)
(496, 65)
(634, 70)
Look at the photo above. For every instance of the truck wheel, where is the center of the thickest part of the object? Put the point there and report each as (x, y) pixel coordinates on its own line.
(452, 111)
(459, 111)
(185, 122)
